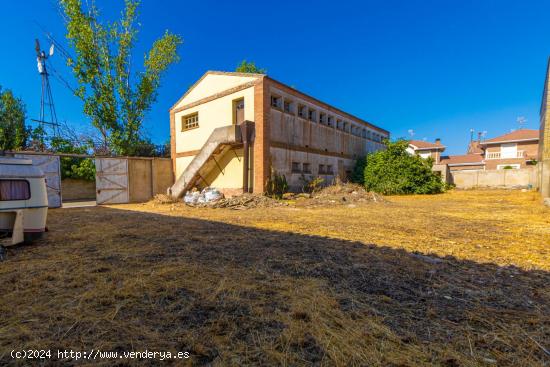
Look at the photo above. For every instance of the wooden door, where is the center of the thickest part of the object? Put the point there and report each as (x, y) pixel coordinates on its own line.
(111, 180)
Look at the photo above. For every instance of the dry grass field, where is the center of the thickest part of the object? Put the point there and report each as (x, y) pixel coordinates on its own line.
(458, 279)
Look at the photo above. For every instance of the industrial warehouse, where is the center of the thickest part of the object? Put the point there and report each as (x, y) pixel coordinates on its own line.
(230, 130)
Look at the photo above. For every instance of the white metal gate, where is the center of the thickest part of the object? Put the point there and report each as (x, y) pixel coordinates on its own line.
(50, 165)
(111, 180)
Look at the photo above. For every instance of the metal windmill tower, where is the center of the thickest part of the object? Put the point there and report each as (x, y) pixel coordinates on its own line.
(46, 101)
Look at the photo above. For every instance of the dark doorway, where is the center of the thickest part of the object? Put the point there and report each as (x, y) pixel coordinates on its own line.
(238, 109)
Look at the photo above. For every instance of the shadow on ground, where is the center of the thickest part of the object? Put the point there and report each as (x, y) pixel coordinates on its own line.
(230, 295)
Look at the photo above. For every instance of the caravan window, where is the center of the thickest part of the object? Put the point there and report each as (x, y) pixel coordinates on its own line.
(14, 190)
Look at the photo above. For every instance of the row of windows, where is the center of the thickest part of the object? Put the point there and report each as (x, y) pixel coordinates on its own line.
(288, 106)
(323, 169)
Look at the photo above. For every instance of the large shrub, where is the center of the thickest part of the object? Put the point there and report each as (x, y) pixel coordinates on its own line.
(358, 174)
(395, 171)
(14, 134)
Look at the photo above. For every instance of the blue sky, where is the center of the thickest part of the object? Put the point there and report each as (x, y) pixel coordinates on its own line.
(437, 67)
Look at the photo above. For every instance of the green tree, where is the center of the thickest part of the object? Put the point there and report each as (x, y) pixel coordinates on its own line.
(13, 132)
(115, 99)
(74, 167)
(358, 173)
(395, 171)
(249, 67)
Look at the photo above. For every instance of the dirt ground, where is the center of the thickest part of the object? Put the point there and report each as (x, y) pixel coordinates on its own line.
(458, 279)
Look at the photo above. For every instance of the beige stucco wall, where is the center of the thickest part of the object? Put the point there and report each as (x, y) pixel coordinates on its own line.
(231, 174)
(213, 114)
(212, 84)
(496, 178)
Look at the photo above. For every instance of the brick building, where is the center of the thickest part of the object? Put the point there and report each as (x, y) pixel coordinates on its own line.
(230, 130)
(517, 149)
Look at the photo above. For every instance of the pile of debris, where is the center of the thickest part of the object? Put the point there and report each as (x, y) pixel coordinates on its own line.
(340, 194)
(245, 201)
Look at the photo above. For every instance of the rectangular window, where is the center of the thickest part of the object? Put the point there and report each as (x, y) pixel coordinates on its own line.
(322, 169)
(339, 125)
(323, 118)
(288, 106)
(306, 168)
(311, 115)
(509, 150)
(190, 122)
(330, 121)
(302, 111)
(296, 167)
(14, 190)
(329, 169)
(275, 101)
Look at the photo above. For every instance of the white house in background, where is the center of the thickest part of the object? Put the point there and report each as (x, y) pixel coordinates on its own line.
(426, 149)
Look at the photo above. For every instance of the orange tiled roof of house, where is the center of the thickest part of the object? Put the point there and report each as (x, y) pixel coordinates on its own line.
(421, 144)
(462, 159)
(523, 134)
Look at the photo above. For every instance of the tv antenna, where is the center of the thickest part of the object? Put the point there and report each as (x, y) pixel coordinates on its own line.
(472, 135)
(411, 133)
(46, 99)
(521, 120)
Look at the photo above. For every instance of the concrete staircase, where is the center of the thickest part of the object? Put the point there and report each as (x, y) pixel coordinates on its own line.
(218, 143)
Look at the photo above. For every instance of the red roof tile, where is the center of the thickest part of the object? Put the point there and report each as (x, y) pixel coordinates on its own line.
(462, 159)
(421, 144)
(523, 134)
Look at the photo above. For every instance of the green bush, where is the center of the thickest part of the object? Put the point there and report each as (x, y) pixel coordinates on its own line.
(73, 167)
(312, 184)
(393, 171)
(358, 173)
(276, 185)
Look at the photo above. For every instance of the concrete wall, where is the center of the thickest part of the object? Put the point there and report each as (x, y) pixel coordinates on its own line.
(72, 189)
(162, 175)
(298, 139)
(148, 177)
(496, 178)
(140, 180)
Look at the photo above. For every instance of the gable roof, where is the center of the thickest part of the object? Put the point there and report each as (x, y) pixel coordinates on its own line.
(212, 72)
(462, 160)
(425, 145)
(518, 135)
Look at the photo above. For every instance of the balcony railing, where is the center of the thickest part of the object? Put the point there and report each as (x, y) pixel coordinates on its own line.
(498, 155)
